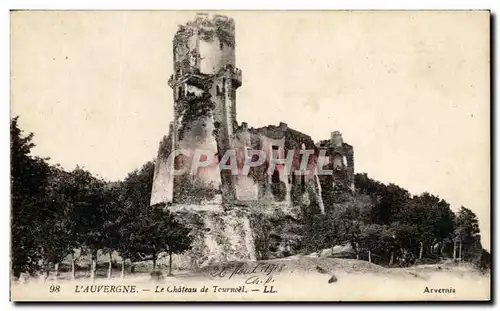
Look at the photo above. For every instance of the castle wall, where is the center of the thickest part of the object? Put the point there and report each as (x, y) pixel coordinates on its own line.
(264, 186)
(163, 182)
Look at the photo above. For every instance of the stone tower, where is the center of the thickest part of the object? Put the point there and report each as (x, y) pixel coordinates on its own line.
(204, 84)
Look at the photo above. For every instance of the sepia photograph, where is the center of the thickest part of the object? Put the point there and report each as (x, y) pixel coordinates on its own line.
(307, 156)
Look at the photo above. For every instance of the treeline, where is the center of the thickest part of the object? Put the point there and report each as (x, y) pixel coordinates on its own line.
(54, 213)
(385, 224)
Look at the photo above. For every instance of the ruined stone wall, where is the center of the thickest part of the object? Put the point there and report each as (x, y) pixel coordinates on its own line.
(279, 187)
(163, 183)
(340, 159)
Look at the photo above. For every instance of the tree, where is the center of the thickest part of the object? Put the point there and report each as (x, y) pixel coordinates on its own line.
(168, 234)
(134, 198)
(392, 199)
(111, 225)
(342, 222)
(339, 225)
(370, 237)
(484, 262)
(53, 211)
(28, 180)
(432, 219)
(316, 232)
(146, 231)
(406, 240)
(53, 234)
(366, 185)
(94, 212)
(467, 234)
(156, 231)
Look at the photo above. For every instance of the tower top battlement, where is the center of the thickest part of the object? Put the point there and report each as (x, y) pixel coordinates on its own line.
(207, 27)
(205, 45)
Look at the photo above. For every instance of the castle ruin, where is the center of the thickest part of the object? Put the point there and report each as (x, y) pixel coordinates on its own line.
(217, 203)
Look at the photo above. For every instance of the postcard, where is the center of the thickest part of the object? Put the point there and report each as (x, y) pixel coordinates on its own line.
(250, 156)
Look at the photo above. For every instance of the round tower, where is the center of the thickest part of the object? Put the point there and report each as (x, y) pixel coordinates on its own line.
(204, 82)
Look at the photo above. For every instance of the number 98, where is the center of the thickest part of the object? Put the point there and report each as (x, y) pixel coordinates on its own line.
(54, 289)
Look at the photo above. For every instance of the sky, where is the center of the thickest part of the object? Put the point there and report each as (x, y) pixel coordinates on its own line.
(409, 90)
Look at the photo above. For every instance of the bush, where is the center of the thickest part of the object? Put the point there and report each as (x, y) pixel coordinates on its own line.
(157, 275)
